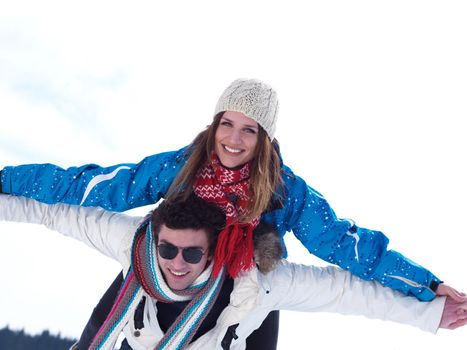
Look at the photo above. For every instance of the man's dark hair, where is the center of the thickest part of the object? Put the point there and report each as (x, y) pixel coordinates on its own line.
(191, 213)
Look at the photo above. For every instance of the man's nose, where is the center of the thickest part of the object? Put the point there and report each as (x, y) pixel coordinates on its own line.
(178, 261)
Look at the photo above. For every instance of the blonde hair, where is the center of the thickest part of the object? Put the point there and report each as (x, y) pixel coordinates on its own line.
(265, 172)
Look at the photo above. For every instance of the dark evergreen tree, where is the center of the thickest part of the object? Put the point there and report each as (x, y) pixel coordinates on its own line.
(19, 340)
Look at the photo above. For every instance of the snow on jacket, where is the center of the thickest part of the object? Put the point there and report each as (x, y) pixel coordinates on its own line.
(304, 212)
(289, 287)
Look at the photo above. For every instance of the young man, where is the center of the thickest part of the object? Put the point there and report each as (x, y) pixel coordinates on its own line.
(168, 263)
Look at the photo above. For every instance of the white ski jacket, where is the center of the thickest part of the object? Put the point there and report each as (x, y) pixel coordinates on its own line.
(289, 287)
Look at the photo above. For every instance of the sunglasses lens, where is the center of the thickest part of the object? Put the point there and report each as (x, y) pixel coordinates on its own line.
(167, 251)
(192, 255)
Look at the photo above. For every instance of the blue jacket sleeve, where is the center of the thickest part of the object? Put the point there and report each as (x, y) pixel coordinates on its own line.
(118, 187)
(361, 251)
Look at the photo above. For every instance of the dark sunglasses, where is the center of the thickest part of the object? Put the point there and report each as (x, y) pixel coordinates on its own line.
(191, 255)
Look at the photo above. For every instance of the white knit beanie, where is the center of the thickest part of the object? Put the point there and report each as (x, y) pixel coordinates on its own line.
(254, 99)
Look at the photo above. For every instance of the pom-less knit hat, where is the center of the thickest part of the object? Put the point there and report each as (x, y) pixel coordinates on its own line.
(254, 99)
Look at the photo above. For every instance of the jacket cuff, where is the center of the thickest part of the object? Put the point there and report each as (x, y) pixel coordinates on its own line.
(434, 285)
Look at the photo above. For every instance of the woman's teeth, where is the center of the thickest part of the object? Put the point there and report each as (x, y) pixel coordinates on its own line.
(232, 150)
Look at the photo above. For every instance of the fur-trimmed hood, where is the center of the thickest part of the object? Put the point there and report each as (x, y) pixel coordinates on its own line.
(269, 249)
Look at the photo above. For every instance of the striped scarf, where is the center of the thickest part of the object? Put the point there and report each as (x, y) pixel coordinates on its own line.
(230, 190)
(145, 276)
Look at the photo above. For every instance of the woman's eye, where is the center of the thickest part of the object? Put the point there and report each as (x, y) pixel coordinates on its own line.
(225, 123)
(250, 131)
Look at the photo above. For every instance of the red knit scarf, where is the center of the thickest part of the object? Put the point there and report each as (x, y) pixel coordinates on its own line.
(230, 190)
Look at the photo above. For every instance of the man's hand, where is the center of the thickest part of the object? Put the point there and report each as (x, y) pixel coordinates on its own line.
(454, 314)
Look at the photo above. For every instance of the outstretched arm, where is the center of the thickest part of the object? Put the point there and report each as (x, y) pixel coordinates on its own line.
(331, 289)
(108, 232)
(361, 251)
(118, 187)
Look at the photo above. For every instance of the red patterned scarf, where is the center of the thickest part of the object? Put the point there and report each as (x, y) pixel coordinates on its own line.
(230, 190)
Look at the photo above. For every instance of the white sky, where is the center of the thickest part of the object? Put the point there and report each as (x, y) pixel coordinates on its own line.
(372, 105)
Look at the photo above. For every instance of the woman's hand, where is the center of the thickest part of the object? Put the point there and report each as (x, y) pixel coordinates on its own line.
(445, 290)
(454, 314)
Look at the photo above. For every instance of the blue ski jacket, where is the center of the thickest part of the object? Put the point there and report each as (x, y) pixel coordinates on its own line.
(304, 211)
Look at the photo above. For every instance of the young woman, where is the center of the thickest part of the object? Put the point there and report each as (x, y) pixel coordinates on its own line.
(236, 164)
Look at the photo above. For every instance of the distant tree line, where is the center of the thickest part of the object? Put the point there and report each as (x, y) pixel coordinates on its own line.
(19, 340)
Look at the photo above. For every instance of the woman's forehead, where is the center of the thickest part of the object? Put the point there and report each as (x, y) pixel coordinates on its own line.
(240, 118)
